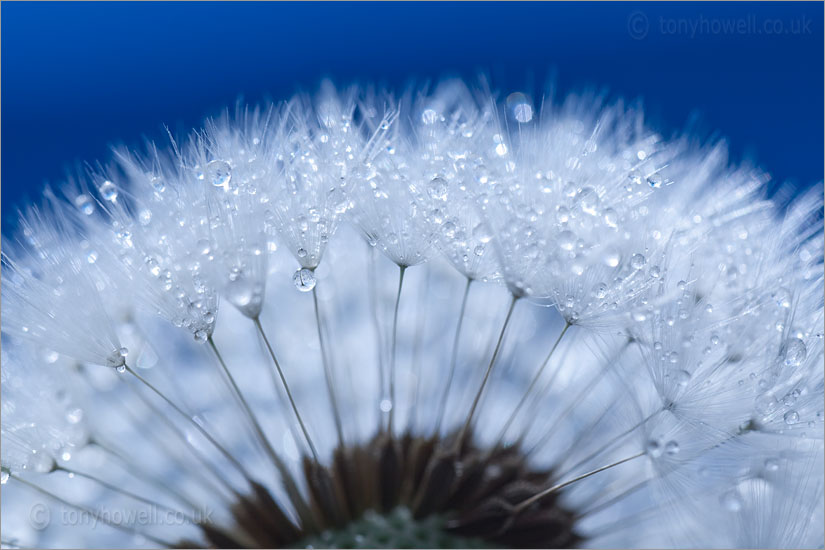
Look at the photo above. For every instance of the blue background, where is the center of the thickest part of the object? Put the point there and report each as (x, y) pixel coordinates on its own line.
(77, 77)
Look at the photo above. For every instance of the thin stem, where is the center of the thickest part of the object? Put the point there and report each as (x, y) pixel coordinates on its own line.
(415, 389)
(612, 441)
(586, 388)
(197, 426)
(195, 472)
(532, 385)
(327, 370)
(538, 496)
(463, 433)
(292, 403)
(159, 441)
(123, 492)
(373, 299)
(138, 473)
(250, 416)
(286, 475)
(609, 502)
(453, 359)
(93, 513)
(401, 270)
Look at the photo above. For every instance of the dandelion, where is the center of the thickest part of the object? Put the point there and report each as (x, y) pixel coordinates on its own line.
(671, 395)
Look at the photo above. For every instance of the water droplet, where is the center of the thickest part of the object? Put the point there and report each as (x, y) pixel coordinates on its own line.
(791, 417)
(655, 272)
(84, 204)
(681, 377)
(203, 246)
(771, 464)
(611, 218)
(201, 336)
(301, 253)
(437, 190)
(108, 191)
(338, 199)
(612, 257)
(655, 181)
(795, 352)
(386, 405)
(567, 240)
(672, 448)
(145, 216)
(121, 369)
(562, 214)
(304, 280)
(482, 234)
(239, 291)
(732, 501)
(782, 297)
(600, 291)
(588, 200)
(429, 116)
(523, 112)
(520, 105)
(654, 448)
(637, 261)
(4, 477)
(218, 173)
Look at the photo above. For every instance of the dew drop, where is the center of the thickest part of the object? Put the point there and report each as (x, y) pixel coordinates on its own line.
(437, 190)
(301, 253)
(239, 291)
(654, 448)
(611, 218)
(672, 448)
(482, 234)
(304, 280)
(203, 247)
(655, 181)
(771, 464)
(523, 112)
(108, 191)
(791, 418)
(429, 116)
(567, 240)
(201, 336)
(588, 200)
(386, 405)
(84, 204)
(637, 261)
(795, 352)
(782, 297)
(218, 173)
(600, 291)
(4, 477)
(611, 257)
(732, 501)
(681, 377)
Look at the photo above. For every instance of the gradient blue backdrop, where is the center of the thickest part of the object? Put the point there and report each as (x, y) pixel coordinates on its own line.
(79, 76)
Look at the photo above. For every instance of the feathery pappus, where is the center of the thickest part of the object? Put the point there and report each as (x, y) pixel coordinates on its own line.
(436, 319)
